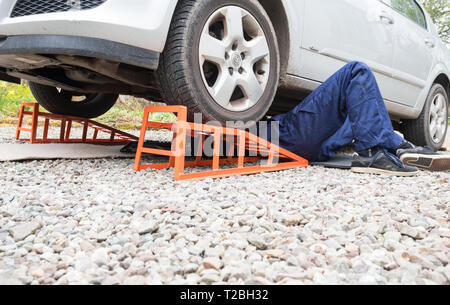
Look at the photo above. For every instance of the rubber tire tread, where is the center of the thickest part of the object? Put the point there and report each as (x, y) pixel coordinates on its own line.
(53, 102)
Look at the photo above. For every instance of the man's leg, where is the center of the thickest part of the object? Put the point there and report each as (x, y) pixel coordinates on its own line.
(342, 137)
(350, 94)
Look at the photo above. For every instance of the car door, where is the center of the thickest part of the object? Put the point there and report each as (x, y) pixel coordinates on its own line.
(413, 51)
(340, 31)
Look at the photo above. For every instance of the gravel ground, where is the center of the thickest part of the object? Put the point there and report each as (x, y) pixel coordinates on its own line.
(98, 222)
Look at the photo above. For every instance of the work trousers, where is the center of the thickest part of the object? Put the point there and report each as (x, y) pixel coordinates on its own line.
(346, 108)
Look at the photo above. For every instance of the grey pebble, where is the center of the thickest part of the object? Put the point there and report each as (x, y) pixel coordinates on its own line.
(23, 230)
(257, 241)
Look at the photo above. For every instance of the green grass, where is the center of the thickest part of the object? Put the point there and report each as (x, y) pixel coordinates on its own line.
(126, 114)
(126, 117)
(11, 96)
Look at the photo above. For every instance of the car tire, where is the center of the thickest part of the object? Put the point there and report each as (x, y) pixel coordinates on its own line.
(193, 75)
(74, 104)
(430, 129)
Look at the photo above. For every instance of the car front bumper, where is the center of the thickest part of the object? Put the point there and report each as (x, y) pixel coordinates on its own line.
(139, 23)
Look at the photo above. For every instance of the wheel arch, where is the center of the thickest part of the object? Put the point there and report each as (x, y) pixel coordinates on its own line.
(438, 75)
(276, 11)
(443, 80)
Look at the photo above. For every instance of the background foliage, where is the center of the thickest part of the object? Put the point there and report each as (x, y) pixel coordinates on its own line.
(440, 13)
(126, 114)
(11, 96)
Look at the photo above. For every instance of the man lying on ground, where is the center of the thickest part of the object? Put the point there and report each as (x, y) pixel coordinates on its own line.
(348, 108)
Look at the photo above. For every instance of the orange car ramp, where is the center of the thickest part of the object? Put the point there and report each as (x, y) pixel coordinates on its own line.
(240, 140)
(93, 132)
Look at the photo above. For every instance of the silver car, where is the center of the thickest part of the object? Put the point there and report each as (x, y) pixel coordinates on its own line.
(230, 60)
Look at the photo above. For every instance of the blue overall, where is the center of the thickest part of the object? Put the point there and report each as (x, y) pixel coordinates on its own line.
(347, 107)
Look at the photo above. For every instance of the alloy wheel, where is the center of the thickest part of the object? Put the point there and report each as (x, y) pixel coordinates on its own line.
(438, 118)
(234, 58)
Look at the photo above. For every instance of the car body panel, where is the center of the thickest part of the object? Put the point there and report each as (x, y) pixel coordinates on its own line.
(391, 44)
(412, 60)
(366, 38)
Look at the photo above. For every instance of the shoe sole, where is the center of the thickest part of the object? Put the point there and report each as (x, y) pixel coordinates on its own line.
(437, 163)
(377, 171)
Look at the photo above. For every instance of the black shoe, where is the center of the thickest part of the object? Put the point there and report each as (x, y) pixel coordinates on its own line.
(383, 163)
(424, 158)
(131, 148)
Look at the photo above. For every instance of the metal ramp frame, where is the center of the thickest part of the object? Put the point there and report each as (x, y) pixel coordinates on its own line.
(114, 136)
(242, 141)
